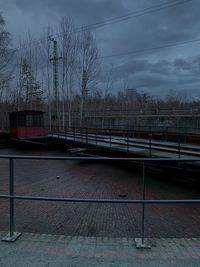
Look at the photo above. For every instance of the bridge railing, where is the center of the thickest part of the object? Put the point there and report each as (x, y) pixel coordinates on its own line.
(11, 196)
(110, 138)
(166, 133)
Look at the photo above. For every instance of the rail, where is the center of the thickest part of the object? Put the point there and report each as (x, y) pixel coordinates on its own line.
(12, 235)
(167, 133)
(110, 138)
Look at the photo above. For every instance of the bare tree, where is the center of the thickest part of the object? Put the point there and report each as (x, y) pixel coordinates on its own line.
(107, 85)
(6, 71)
(6, 55)
(69, 66)
(30, 89)
(30, 93)
(46, 70)
(89, 65)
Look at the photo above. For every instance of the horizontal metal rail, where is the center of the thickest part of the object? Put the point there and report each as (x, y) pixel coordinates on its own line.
(176, 143)
(172, 130)
(146, 144)
(90, 200)
(12, 236)
(185, 159)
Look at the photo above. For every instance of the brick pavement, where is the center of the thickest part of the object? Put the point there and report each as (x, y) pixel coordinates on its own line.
(94, 180)
(35, 250)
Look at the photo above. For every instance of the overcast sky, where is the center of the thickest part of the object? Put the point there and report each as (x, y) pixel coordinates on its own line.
(156, 71)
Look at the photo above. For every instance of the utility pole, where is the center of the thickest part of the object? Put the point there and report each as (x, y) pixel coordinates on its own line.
(54, 59)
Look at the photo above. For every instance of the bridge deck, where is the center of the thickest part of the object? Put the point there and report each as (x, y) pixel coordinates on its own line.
(143, 147)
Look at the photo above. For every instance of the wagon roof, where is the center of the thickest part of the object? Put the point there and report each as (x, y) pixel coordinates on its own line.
(28, 112)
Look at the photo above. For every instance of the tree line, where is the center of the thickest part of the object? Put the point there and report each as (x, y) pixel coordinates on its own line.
(27, 79)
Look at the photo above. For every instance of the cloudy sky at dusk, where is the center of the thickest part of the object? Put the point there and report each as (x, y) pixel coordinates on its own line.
(126, 43)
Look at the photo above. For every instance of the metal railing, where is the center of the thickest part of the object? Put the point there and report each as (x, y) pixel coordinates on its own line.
(161, 133)
(109, 138)
(12, 235)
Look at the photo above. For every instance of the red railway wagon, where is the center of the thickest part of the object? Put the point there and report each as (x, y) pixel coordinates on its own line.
(27, 124)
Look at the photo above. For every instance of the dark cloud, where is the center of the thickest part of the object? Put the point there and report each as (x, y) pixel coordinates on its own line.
(83, 11)
(174, 67)
(162, 75)
(182, 64)
(162, 67)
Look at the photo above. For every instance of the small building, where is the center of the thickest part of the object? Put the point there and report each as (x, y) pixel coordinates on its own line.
(27, 124)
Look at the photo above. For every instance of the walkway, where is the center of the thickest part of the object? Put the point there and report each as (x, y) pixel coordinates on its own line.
(34, 250)
(143, 147)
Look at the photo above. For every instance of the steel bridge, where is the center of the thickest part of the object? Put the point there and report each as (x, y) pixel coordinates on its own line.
(139, 143)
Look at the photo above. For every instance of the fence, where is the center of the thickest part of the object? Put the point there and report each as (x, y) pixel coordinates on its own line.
(176, 143)
(164, 129)
(164, 133)
(12, 235)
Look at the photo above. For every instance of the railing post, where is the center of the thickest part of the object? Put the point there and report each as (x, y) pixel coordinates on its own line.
(81, 135)
(65, 133)
(12, 235)
(11, 166)
(150, 141)
(185, 139)
(110, 140)
(140, 242)
(143, 198)
(96, 136)
(74, 133)
(179, 146)
(127, 142)
(86, 136)
(165, 134)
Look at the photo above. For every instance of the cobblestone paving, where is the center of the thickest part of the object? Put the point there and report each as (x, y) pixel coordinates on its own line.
(94, 180)
(34, 250)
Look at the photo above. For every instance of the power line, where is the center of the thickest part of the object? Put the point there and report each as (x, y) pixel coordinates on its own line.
(135, 14)
(151, 49)
(119, 19)
(126, 15)
(147, 49)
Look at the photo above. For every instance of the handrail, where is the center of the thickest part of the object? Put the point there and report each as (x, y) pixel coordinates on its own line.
(95, 200)
(12, 235)
(185, 159)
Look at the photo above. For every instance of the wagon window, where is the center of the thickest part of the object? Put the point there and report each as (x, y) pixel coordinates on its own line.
(29, 120)
(37, 120)
(21, 120)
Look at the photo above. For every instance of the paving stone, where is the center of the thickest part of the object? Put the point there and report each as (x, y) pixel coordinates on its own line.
(43, 250)
(94, 180)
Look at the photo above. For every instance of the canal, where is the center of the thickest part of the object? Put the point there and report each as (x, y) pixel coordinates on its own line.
(83, 179)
